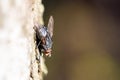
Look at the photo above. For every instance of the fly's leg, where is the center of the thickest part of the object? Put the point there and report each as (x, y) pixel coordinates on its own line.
(38, 44)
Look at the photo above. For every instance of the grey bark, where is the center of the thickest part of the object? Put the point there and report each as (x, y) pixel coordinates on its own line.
(17, 42)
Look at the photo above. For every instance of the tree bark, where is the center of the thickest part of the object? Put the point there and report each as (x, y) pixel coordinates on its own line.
(17, 42)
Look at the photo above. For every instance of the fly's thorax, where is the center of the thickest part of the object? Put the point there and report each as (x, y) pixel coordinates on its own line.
(43, 31)
(45, 39)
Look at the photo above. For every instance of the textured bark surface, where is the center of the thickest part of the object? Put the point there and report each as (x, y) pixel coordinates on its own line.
(17, 43)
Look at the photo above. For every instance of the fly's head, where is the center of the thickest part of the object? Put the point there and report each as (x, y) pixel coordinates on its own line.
(44, 37)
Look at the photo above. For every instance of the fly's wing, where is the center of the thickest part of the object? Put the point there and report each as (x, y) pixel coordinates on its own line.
(51, 25)
(37, 26)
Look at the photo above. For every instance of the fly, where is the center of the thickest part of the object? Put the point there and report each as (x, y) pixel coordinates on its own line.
(44, 37)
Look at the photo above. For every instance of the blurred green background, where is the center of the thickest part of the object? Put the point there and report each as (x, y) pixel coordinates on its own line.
(86, 39)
